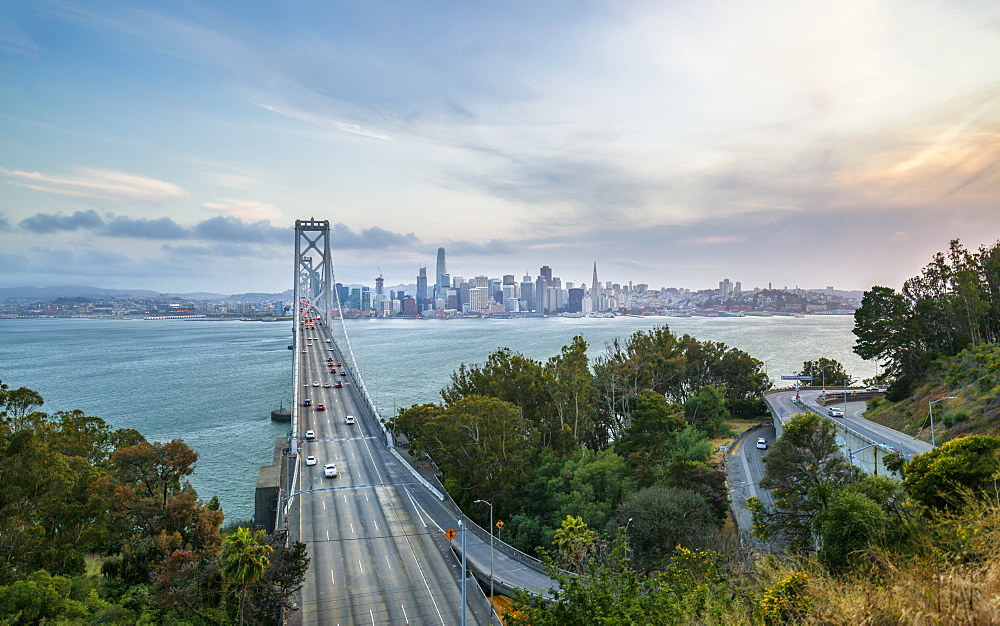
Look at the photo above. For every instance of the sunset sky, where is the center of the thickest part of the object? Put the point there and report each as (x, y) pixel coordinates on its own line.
(172, 145)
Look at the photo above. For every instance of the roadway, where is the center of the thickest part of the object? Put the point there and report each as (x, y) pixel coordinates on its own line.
(853, 419)
(745, 465)
(371, 563)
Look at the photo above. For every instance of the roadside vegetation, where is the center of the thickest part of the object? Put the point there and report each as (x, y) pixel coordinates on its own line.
(610, 483)
(622, 443)
(99, 525)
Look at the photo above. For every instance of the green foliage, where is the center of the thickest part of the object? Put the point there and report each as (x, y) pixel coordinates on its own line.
(43, 598)
(659, 519)
(483, 447)
(574, 540)
(74, 487)
(691, 589)
(706, 411)
(943, 477)
(850, 523)
(676, 368)
(826, 372)
(571, 387)
(786, 602)
(804, 469)
(953, 304)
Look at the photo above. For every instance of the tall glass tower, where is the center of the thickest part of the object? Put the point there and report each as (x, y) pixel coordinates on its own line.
(442, 280)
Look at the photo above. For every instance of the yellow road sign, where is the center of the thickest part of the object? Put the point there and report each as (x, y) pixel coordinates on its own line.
(500, 523)
(450, 533)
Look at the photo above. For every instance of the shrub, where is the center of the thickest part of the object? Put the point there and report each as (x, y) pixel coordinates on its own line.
(786, 601)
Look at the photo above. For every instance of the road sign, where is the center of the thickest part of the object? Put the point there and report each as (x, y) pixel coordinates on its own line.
(500, 523)
(796, 378)
(450, 533)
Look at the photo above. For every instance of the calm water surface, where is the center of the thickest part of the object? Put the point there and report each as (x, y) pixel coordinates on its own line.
(214, 383)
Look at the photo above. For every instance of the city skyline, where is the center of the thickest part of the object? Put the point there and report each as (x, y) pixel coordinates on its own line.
(171, 147)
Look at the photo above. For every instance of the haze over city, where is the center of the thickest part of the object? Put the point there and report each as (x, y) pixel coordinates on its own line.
(171, 147)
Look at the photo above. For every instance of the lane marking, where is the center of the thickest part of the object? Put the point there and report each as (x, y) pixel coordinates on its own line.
(409, 544)
(404, 613)
(352, 529)
(376, 526)
(361, 565)
(333, 581)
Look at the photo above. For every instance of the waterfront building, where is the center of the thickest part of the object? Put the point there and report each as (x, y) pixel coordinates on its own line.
(441, 279)
(528, 294)
(422, 302)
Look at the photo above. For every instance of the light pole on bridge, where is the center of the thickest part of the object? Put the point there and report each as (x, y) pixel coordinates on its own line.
(491, 544)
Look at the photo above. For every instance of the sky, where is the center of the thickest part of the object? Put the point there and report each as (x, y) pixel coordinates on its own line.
(171, 145)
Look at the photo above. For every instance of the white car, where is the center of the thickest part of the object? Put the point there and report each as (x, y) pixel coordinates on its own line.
(762, 444)
(310, 460)
(310, 434)
(835, 412)
(315, 383)
(330, 470)
(349, 419)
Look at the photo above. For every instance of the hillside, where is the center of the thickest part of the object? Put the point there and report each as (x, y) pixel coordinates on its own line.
(973, 377)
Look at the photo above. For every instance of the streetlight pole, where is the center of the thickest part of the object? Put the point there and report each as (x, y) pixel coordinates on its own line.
(847, 381)
(491, 544)
(461, 525)
(930, 407)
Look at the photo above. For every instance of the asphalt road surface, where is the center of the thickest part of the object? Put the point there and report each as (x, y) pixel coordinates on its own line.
(371, 563)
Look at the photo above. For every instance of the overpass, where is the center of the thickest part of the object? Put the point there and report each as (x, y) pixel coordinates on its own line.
(864, 442)
(376, 532)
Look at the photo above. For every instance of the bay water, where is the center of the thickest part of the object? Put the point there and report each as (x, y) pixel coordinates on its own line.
(214, 383)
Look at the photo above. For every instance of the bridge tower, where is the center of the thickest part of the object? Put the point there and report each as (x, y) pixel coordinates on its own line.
(313, 266)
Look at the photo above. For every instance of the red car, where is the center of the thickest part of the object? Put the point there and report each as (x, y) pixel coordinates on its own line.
(339, 384)
(320, 407)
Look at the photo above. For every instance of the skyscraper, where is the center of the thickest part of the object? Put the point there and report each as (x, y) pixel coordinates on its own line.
(421, 289)
(441, 280)
(595, 292)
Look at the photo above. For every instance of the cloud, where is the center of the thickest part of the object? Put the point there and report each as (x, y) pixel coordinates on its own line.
(235, 230)
(341, 236)
(98, 185)
(229, 250)
(4, 223)
(711, 240)
(47, 223)
(14, 41)
(143, 228)
(321, 120)
(494, 247)
(244, 209)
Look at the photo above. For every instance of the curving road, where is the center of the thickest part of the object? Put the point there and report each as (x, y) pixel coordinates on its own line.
(371, 563)
(854, 420)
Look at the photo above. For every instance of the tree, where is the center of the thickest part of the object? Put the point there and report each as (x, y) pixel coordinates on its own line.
(661, 518)
(648, 443)
(824, 371)
(17, 407)
(571, 387)
(482, 446)
(804, 469)
(943, 477)
(243, 560)
(574, 540)
(692, 589)
(706, 410)
(850, 523)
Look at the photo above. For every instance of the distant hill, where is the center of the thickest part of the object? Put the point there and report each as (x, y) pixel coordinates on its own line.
(71, 291)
